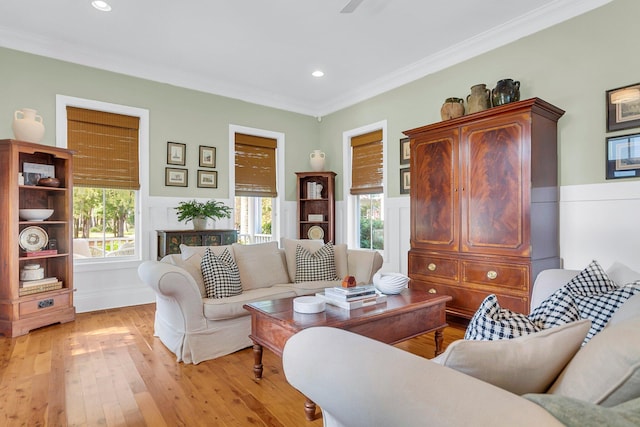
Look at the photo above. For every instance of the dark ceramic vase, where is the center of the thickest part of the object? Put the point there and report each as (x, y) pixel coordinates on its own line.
(506, 91)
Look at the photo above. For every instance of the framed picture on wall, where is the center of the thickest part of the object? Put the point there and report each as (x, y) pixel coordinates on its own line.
(207, 179)
(405, 180)
(207, 157)
(623, 108)
(176, 153)
(405, 151)
(623, 156)
(175, 177)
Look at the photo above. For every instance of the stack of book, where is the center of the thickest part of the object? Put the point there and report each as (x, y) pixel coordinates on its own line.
(29, 287)
(352, 298)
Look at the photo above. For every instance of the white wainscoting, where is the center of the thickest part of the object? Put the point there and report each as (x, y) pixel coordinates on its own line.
(598, 221)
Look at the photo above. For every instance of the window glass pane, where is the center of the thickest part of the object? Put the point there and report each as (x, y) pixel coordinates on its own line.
(371, 221)
(253, 219)
(103, 222)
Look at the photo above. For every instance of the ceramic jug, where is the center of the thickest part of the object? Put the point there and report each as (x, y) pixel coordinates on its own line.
(506, 91)
(317, 160)
(27, 125)
(452, 108)
(479, 99)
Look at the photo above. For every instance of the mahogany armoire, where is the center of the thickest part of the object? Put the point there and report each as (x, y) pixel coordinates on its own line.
(484, 204)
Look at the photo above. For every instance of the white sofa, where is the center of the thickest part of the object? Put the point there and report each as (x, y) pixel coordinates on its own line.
(361, 382)
(197, 328)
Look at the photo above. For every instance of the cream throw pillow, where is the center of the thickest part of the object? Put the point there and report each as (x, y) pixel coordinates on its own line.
(606, 371)
(339, 251)
(526, 364)
(261, 265)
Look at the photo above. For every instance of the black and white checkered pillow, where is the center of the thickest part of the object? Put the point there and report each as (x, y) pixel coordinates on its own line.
(593, 280)
(558, 309)
(598, 297)
(221, 275)
(320, 265)
(491, 322)
(589, 295)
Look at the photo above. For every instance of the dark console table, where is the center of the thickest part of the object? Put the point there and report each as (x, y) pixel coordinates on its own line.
(169, 241)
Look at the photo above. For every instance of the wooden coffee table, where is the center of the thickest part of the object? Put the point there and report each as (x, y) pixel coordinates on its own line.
(403, 316)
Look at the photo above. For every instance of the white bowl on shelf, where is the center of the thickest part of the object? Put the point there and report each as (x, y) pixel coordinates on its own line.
(390, 283)
(35, 214)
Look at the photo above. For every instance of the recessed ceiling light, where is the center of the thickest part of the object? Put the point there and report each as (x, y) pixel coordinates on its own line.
(317, 73)
(101, 5)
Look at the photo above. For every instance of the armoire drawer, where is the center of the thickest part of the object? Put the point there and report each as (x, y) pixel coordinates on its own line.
(512, 276)
(433, 267)
(466, 301)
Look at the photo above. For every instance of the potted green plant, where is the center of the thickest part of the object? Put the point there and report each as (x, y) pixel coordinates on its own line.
(198, 212)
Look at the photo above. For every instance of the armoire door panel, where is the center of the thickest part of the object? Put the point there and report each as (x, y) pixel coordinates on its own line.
(493, 194)
(434, 182)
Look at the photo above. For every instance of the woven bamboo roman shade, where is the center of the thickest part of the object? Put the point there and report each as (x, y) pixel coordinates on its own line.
(106, 149)
(366, 163)
(255, 166)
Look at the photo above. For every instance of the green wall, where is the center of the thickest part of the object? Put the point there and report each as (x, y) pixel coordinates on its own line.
(175, 114)
(570, 65)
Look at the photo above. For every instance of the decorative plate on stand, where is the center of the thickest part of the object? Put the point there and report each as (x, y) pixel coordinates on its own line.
(315, 233)
(33, 238)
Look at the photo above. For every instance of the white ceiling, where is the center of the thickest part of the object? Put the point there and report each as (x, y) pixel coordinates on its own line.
(264, 51)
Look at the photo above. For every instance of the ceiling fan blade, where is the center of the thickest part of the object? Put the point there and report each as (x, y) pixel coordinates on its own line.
(351, 6)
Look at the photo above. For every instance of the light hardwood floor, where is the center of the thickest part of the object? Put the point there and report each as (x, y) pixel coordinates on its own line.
(107, 369)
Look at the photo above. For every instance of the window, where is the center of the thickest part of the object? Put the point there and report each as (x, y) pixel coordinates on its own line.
(367, 174)
(106, 182)
(255, 187)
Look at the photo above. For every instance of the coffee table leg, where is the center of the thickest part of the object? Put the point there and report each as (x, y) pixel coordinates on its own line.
(309, 409)
(438, 338)
(257, 361)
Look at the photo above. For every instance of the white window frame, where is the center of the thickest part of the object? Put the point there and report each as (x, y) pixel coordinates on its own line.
(276, 226)
(142, 200)
(352, 214)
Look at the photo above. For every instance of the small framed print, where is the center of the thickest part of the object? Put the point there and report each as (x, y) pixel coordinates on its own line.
(207, 179)
(174, 177)
(176, 153)
(207, 157)
(405, 180)
(623, 156)
(32, 172)
(623, 108)
(405, 151)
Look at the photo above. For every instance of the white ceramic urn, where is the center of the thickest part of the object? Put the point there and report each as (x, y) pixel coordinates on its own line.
(316, 158)
(28, 125)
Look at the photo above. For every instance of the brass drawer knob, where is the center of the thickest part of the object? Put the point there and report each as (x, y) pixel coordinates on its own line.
(431, 267)
(433, 291)
(491, 274)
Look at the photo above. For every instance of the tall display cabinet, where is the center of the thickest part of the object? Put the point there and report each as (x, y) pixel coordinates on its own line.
(28, 243)
(316, 205)
(484, 204)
